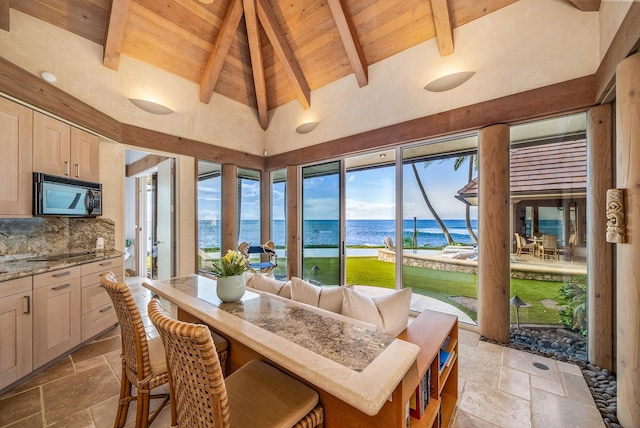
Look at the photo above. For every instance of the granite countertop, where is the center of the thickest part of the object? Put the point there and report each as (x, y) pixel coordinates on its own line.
(356, 365)
(26, 265)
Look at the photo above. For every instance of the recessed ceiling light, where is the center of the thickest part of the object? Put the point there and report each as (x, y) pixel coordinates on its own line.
(206, 1)
(47, 76)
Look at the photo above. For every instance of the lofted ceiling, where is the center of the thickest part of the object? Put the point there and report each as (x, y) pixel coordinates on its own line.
(262, 53)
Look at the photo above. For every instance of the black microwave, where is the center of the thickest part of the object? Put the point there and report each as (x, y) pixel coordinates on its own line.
(65, 197)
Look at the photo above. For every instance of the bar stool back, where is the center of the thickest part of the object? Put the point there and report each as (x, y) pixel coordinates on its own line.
(256, 395)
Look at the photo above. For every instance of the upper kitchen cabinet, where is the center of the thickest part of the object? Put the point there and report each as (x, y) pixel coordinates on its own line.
(61, 149)
(16, 130)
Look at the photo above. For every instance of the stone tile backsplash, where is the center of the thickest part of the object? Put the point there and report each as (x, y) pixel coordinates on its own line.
(54, 235)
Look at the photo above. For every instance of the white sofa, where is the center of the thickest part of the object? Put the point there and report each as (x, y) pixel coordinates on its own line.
(388, 313)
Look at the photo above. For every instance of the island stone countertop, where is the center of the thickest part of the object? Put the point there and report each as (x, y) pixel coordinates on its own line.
(26, 265)
(356, 365)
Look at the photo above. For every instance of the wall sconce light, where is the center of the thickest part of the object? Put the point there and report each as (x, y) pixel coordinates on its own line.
(306, 127)
(448, 82)
(150, 106)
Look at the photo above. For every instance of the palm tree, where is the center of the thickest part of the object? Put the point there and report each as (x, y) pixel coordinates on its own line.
(435, 215)
(473, 164)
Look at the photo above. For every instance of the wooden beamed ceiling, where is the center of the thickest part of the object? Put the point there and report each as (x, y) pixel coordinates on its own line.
(262, 53)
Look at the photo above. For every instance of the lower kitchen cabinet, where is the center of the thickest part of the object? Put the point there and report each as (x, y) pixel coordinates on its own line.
(15, 330)
(57, 318)
(98, 312)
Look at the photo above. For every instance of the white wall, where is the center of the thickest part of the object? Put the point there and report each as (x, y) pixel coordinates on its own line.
(37, 46)
(112, 173)
(528, 44)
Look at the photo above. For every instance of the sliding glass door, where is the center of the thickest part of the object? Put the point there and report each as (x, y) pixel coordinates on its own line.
(322, 236)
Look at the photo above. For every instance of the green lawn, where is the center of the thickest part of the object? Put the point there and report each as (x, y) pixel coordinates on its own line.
(441, 285)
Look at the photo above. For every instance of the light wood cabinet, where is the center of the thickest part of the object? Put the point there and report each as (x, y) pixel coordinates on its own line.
(16, 130)
(57, 315)
(15, 330)
(98, 313)
(61, 149)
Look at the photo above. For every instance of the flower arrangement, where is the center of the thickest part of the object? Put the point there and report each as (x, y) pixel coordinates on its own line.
(232, 264)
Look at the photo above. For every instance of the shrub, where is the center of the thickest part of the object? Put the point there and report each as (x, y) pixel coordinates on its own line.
(573, 295)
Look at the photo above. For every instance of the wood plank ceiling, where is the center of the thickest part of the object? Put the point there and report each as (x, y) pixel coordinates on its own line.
(262, 53)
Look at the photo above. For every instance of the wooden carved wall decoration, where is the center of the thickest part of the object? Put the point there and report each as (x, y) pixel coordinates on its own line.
(615, 216)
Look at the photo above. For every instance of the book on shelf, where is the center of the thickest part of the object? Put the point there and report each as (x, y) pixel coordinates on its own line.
(420, 398)
(444, 357)
(445, 343)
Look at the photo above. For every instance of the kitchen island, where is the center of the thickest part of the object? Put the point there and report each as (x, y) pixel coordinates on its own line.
(364, 378)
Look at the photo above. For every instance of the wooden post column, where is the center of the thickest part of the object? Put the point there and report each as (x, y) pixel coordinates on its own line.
(628, 253)
(494, 245)
(293, 226)
(229, 208)
(600, 278)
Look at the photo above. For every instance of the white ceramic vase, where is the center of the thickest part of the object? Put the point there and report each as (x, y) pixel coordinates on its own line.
(230, 288)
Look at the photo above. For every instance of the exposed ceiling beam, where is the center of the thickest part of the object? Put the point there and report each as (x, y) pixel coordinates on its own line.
(257, 65)
(115, 33)
(225, 37)
(143, 164)
(284, 53)
(587, 5)
(5, 12)
(350, 40)
(444, 29)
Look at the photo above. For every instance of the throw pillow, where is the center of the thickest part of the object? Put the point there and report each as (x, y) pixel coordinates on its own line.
(389, 312)
(268, 284)
(331, 299)
(305, 292)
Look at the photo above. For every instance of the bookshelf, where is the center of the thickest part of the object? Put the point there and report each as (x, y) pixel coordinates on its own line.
(433, 331)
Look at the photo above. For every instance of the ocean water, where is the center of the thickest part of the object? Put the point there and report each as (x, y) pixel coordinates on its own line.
(324, 233)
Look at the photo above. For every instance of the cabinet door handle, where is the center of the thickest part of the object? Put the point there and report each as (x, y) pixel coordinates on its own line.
(103, 310)
(66, 168)
(26, 304)
(61, 287)
(105, 263)
(78, 170)
(61, 274)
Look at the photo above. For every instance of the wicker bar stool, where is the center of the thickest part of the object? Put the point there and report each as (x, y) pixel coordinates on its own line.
(143, 362)
(256, 395)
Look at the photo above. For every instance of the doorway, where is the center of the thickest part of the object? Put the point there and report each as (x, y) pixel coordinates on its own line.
(150, 217)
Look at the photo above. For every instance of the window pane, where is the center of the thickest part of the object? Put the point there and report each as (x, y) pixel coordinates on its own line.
(208, 213)
(440, 226)
(249, 206)
(549, 223)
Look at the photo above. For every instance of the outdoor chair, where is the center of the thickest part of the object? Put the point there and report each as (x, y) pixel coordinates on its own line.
(522, 246)
(255, 395)
(549, 247)
(568, 249)
(206, 259)
(268, 257)
(143, 361)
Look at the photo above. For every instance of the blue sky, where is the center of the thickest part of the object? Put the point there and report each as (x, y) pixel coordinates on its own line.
(370, 195)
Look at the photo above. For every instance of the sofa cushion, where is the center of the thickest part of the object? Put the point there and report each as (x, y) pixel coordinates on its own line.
(268, 284)
(305, 292)
(389, 312)
(329, 298)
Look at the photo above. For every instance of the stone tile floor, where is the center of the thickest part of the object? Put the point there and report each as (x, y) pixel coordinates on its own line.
(498, 387)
